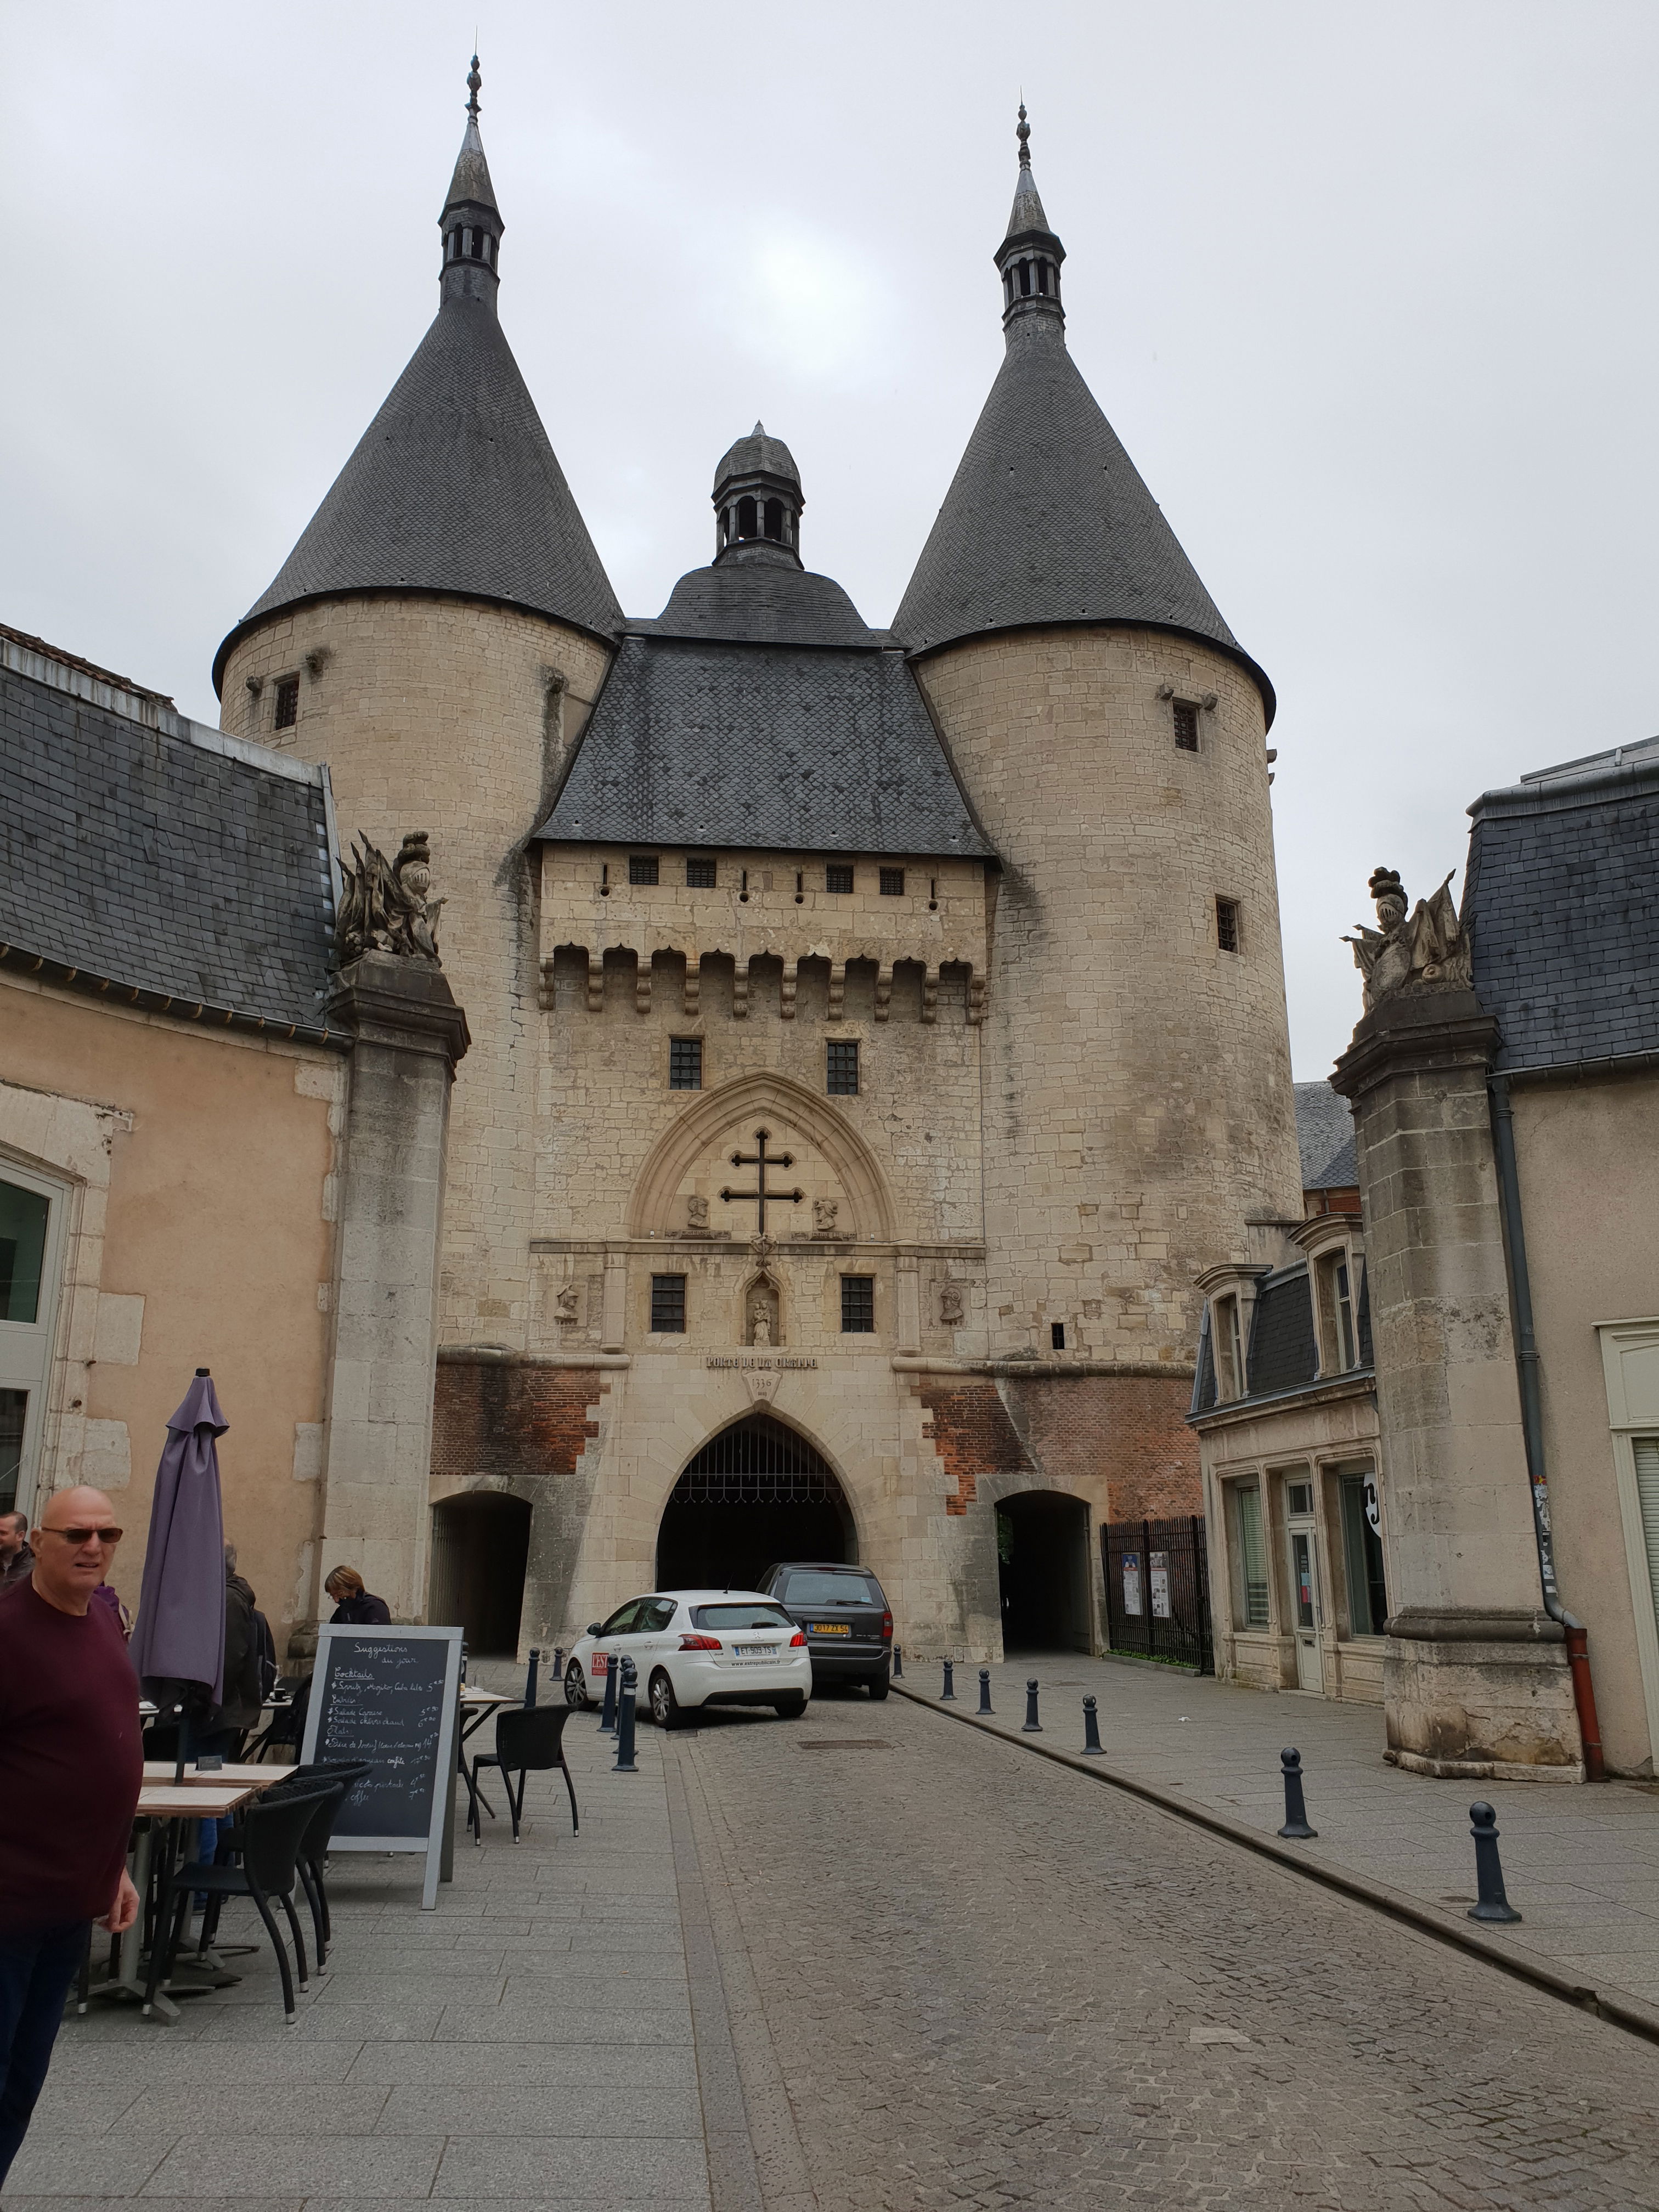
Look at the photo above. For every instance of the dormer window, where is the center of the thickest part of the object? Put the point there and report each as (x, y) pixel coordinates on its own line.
(1338, 1336)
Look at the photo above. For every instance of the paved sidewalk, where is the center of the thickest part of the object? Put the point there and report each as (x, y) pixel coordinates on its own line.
(1581, 1864)
(530, 2043)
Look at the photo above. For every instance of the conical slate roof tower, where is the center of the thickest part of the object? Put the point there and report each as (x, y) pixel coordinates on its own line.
(1047, 519)
(454, 486)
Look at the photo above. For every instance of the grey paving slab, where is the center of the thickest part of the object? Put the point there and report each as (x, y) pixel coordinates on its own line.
(478, 2168)
(555, 2023)
(250, 2108)
(1217, 1745)
(339, 2023)
(553, 2064)
(74, 2165)
(620, 2105)
(203, 2165)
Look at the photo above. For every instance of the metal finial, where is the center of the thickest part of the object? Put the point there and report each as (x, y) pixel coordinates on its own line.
(1023, 135)
(473, 81)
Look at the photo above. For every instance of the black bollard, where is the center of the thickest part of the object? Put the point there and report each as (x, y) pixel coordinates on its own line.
(1488, 1872)
(985, 1689)
(558, 1663)
(624, 1764)
(608, 1712)
(1032, 1726)
(898, 1661)
(530, 1675)
(1296, 1810)
(948, 1694)
(1091, 1747)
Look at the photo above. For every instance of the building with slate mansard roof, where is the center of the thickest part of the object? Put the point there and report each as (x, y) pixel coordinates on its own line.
(874, 1033)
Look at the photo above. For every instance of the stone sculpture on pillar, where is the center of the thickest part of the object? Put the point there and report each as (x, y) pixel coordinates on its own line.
(1429, 953)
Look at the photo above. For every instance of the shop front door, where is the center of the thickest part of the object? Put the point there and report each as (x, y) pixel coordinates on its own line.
(1304, 1601)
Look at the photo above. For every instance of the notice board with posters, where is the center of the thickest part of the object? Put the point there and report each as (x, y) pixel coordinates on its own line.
(389, 1697)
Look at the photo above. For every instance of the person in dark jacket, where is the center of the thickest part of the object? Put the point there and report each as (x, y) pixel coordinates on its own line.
(16, 1559)
(354, 1606)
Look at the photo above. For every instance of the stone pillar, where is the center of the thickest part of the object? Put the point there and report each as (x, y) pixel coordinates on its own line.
(613, 1320)
(378, 1450)
(910, 1304)
(1475, 1675)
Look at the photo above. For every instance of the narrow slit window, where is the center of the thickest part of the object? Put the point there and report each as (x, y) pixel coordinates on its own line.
(288, 702)
(702, 875)
(1227, 924)
(685, 1063)
(774, 520)
(668, 1305)
(1057, 1336)
(843, 1067)
(837, 877)
(641, 867)
(857, 1305)
(1025, 280)
(892, 882)
(1186, 726)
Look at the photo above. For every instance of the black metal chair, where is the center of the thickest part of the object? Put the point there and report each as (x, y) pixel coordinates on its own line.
(347, 1772)
(272, 1832)
(286, 1726)
(529, 1741)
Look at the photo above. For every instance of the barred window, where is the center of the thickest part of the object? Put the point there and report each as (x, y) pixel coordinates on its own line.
(843, 1070)
(700, 875)
(837, 877)
(892, 882)
(1186, 726)
(668, 1304)
(685, 1063)
(1227, 924)
(641, 867)
(288, 702)
(857, 1305)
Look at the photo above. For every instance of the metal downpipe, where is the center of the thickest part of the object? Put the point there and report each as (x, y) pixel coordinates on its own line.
(1528, 1368)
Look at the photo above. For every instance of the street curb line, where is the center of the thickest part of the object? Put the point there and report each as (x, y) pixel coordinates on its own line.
(1627, 2012)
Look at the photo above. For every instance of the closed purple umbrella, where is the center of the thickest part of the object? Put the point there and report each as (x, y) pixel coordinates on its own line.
(181, 1634)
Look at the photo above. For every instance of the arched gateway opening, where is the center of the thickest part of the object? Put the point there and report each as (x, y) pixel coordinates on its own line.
(756, 1493)
(480, 1547)
(1042, 1565)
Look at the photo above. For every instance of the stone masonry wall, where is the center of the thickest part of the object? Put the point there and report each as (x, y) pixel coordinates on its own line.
(457, 719)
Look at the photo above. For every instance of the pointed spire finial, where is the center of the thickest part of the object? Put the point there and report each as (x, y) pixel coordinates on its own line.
(473, 81)
(1023, 135)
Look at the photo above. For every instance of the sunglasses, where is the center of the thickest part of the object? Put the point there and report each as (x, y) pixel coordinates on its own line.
(84, 1535)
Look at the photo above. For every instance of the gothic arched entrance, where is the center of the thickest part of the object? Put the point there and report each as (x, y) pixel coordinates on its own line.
(756, 1493)
(1043, 1566)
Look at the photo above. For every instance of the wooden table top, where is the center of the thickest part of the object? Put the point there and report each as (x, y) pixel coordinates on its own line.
(244, 1775)
(474, 1696)
(161, 1801)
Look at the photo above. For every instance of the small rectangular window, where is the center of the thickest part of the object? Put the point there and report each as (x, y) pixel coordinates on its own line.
(685, 1063)
(1057, 1336)
(641, 867)
(1227, 924)
(892, 882)
(843, 1058)
(1186, 726)
(857, 1305)
(668, 1305)
(837, 877)
(700, 875)
(288, 702)
(1250, 1559)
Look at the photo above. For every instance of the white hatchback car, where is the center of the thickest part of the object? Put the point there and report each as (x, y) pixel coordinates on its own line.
(692, 1648)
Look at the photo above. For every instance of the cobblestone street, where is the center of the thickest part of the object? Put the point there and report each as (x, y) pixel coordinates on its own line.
(986, 1983)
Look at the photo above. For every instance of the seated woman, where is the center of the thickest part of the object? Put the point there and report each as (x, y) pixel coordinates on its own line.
(354, 1606)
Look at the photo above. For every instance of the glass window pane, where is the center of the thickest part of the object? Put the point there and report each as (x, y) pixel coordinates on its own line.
(1646, 1450)
(1302, 1570)
(1362, 1555)
(14, 1405)
(1252, 1559)
(23, 1216)
(668, 1304)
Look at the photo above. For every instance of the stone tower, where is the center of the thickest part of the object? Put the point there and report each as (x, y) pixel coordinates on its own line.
(437, 637)
(1109, 732)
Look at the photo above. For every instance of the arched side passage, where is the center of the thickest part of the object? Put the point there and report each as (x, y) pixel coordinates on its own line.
(480, 1549)
(755, 1492)
(732, 1110)
(1044, 1572)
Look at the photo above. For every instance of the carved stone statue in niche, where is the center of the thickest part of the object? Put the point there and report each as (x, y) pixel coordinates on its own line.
(566, 1306)
(697, 1217)
(761, 1314)
(824, 1211)
(950, 1306)
(1429, 953)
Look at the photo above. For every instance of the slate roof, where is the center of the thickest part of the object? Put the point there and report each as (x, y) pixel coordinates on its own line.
(703, 742)
(1324, 1135)
(757, 594)
(757, 454)
(1047, 521)
(1560, 903)
(137, 848)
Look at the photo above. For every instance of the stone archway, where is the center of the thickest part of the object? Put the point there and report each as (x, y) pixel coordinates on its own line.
(755, 1492)
(1042, 1571)
(480, 1550)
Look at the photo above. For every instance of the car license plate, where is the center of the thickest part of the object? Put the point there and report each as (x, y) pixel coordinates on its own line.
(831, 1628)
(754, 1650)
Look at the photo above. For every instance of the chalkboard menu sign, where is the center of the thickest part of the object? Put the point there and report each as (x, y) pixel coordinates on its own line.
(387, 1696)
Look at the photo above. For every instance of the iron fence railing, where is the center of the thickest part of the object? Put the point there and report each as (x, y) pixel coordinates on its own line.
(1158, 1590)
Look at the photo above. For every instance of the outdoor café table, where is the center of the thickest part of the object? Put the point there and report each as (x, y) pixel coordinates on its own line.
(477, 1706)
(160, 1771)
(162, 1807)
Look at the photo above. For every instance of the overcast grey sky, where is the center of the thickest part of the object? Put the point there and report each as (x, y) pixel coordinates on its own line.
(1368, 292)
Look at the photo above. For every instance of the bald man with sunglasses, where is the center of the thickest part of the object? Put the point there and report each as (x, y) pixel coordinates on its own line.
(71, 1762)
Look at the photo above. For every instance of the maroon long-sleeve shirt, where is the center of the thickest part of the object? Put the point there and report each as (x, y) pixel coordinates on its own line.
(71, 1761)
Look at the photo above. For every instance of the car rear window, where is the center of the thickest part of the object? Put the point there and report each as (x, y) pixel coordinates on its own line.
(740, 1616)
(805, 1587)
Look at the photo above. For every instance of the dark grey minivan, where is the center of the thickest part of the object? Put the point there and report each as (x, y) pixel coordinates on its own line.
(844, 1615)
